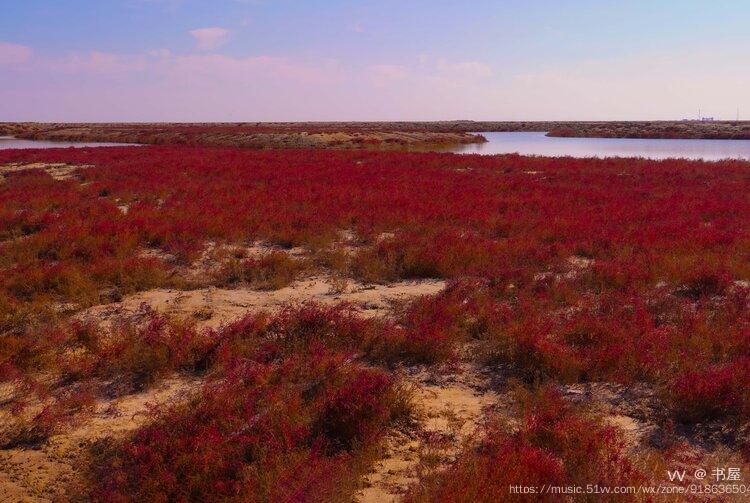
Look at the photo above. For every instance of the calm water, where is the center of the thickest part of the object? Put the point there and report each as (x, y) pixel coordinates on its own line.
(539, 144)
(7, 142)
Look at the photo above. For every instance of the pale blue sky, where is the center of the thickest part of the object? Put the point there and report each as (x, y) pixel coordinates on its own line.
(359, 60)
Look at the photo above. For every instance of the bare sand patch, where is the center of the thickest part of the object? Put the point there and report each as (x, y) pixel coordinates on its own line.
(213, 307)
(55, 170)
(452, 408)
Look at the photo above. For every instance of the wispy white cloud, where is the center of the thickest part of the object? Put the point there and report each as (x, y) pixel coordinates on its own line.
(221, 68)
(465, 69)
(161, 85)
(383, 75)
(13, 54)
(160, 53)
(429, 71)
(208, 39)
(94, 63)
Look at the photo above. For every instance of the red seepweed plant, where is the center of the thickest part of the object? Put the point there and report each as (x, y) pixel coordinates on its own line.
(287, 414)
(556, 445)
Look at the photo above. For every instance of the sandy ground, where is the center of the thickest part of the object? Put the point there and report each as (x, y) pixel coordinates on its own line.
(450, 410)
(53, 471)
(452, 401)
(57, 171)
(213, 307)
(452, 406)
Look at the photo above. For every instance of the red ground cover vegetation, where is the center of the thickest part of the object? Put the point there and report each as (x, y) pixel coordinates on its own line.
(663, 244)
(561, 270)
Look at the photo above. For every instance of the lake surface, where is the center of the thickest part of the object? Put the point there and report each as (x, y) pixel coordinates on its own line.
(7, 142)
(539, 144)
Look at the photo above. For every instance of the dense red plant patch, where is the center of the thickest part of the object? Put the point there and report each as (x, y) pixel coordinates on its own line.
(453, 215)
(287, 430)
(715, 391)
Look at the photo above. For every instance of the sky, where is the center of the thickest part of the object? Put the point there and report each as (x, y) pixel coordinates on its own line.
(296, 60)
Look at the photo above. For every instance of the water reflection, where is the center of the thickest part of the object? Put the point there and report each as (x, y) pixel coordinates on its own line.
(8, 142)
(539, 144)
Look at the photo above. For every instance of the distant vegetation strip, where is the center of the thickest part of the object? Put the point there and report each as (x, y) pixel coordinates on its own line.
(364, 134)
(248, 135)
(658, 130)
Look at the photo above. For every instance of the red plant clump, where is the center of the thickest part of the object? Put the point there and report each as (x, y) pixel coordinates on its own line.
(556, 445)
(716, 391)
(266, 432)
(131, 356)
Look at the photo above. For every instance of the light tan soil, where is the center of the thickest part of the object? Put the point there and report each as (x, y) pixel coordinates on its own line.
(57, 171)
(452, 405)
(213, 307)
(53, 471)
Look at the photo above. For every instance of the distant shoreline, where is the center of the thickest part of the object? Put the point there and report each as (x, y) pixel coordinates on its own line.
(363, 134)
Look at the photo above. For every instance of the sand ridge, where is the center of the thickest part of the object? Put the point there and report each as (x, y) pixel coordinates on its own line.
(58, 171)
(213, 307)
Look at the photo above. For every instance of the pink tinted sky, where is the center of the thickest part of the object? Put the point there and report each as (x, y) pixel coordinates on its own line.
(242, 60)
